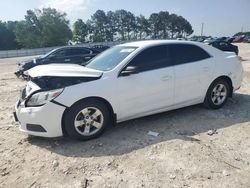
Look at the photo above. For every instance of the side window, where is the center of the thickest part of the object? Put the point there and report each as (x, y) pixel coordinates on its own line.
(84, 51)
(187, 53)
(152, 58)
(59, 53)
(71, 52)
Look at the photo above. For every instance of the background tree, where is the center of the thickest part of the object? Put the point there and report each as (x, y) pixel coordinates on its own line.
(155, 26)
(111, 29)
(43, 28)
(55, 28)
(7, 36)
(48, 27)
(121, 22)
(242, 33)
(163, 21)
(80, 31)
(99, 23)
(130, 24)
(173, 28)
(143, 27)
(28, 32)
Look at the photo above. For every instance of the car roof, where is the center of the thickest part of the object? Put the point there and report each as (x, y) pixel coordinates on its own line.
(73, 47)
(147, 43)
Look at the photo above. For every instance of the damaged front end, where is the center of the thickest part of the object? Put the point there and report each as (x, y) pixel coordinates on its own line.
(21, 74)
(48, 78)
(23, 68)
(46, 83)
(55, 82)
(40, 90)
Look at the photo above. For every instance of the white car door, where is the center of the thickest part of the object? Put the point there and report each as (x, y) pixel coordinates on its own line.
(192, 69)
(151, 88)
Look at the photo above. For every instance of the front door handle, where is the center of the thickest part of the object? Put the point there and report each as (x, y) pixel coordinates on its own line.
(67, 60)
(87, 58)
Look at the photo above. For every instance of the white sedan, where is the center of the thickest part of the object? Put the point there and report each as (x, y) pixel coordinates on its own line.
(125, 82)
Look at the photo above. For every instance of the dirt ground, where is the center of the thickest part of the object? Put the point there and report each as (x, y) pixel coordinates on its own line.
(183, 155)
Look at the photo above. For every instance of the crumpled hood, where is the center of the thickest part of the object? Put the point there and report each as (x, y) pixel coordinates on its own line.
(63, 70)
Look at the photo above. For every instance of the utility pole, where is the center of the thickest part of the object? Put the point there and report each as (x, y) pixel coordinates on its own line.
(202, 27)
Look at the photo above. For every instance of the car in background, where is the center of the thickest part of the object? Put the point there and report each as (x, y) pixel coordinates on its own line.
(230, 39)
(100, 48)
(247, 39)
(239, 39)
(222, 38)
(225, 46)
(63, 55)
(127, 81)
(209, 40)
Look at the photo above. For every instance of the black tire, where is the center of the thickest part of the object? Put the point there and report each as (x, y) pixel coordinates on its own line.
(209, 102)
(73, 113)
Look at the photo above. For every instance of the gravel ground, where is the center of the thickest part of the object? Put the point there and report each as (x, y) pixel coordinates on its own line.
(182, 155)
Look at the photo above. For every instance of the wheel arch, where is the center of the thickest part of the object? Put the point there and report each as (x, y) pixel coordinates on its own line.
(106, 102)
(229, 81)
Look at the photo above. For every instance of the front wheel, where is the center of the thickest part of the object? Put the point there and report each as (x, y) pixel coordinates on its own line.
(217, 94)
(87, 120)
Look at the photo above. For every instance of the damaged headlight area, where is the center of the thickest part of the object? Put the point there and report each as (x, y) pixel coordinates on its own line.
(41, 98)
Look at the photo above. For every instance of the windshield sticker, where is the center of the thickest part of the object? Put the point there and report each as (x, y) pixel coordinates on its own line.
(127, 50)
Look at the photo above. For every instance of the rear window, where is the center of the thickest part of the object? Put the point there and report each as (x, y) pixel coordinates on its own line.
(187, 53)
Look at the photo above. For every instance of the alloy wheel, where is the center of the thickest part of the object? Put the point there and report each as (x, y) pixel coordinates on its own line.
(89, 121)
(219, 94)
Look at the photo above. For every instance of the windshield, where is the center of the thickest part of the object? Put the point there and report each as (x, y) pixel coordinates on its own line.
(110, 58)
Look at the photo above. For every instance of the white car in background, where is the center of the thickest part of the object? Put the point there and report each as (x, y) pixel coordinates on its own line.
(125, 82)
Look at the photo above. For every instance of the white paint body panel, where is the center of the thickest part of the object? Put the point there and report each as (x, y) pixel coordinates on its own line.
(140, 94)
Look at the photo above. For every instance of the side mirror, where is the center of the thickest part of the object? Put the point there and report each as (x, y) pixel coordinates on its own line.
(129, 70)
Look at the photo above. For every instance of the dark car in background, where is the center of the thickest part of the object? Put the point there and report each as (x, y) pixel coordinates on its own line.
(69, 55)
(239, 39)
(225, 46)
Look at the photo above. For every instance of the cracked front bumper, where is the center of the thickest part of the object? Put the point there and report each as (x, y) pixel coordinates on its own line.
(44, 121)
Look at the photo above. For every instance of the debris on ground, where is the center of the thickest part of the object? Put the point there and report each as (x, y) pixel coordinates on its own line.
(172, 176)
(225, 173)
(212, 132)
(151, 133)
(84, 183)
(55, 163)
(237, 158)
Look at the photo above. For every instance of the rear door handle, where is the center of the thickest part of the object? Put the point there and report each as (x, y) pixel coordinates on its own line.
(166, 78)
(67, 60)
(205, 69)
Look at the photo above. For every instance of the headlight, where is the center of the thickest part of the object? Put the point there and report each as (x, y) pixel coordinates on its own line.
(41, 98)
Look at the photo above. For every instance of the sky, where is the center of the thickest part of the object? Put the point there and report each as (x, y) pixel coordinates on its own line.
(220, 17)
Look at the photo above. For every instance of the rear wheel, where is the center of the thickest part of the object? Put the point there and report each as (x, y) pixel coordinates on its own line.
(87, 120)
(217, 94)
